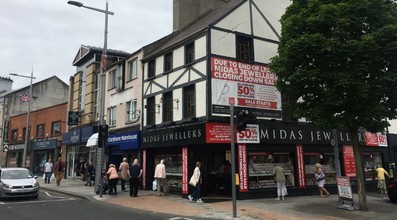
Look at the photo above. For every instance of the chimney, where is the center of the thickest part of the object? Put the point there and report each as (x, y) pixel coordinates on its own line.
(186, 11)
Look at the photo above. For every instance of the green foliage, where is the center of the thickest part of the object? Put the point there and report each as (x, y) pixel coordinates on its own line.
(338, 59)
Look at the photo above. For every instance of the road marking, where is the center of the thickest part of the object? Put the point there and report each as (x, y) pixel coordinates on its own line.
(57, 197)
(43, 201)
(180, 218)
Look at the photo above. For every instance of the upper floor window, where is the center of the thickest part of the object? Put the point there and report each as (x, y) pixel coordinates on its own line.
(132, 113)
(112, 116)
(24, 133)
(151, 69)
(168, 62)
(56, 128)
(150, 111)
(132, 69)
(112, 79)
(14, 135)
(244, 49)
(189, 101)
(40, 131)
(167, 106)
(82, 90)
(189, 53)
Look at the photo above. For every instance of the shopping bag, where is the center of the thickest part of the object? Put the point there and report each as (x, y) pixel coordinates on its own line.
(193, 181)
(154, 186)
(52, 178)
(44, 176)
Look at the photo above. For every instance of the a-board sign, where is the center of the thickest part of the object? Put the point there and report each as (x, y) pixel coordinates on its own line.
(344, 188)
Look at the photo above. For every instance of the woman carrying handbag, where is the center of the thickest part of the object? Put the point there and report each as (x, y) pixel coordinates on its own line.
(196, 181)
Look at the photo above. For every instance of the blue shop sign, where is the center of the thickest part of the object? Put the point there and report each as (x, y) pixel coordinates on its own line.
(72, 137)
(44, 144)
(126, 141)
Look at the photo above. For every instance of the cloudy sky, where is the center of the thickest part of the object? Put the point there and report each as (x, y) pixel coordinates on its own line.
(46, 34)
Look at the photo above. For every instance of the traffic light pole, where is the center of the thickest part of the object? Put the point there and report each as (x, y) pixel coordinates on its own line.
(233, 151)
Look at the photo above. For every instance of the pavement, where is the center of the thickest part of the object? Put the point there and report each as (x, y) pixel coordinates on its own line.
(292, 208)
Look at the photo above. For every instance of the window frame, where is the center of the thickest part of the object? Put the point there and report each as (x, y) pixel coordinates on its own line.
(132, 69)
(151, 69)
(40, 128)
(53, 133)
(189, 53)
(244, 48)
(189, 101)
(168, 108)
(150, 111)
(112, 116)
(14, 135)
(112, 79)
(168, 62)
(132, 111)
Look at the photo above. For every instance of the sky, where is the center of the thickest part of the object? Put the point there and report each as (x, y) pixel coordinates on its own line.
(44, 36)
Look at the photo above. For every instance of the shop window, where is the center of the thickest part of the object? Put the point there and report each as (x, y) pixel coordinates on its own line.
(173, 164)
(56, 128)
(244, 48)
(327, 163)
(40, 131)
(189, 101)
(167, 106)
(371, 161)
(261, 165)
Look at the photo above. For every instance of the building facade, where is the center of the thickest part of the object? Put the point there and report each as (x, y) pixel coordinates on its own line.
(5, 87)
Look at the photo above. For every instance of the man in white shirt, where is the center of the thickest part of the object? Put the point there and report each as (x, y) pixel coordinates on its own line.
(48, 171)
(161, 177)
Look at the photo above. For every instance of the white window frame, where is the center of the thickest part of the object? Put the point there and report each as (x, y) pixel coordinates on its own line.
(132, 114)
(133, 69)
(112, 79)
(112, 116)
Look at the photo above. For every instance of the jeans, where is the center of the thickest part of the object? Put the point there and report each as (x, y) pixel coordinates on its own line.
(47, 177)
(122, 184)
(134, 186)
(196, 193)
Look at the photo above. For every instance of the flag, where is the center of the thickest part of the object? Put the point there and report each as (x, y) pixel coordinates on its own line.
(103, 64)
(23, 98)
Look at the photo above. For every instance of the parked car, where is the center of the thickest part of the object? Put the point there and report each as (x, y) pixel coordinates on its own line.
(18, 182)
(392, 190)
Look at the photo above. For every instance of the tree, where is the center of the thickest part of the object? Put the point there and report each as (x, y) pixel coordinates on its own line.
(337, 61)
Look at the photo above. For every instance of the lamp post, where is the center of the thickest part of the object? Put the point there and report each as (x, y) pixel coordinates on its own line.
(27, 116)
(102, 125)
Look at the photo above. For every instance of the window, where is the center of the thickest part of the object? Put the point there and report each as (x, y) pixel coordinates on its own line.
(24, 132)
(112, 79)
(151, 69)
(119, 83)
(168, 62)
(40, 131)
(189, 101)
(56, 128)
(112, 116)
(14, 134)
(131, 111)
(244, 48)
(132, 69)
(167, 106)
(82, 90)
(189, 53)
(150, 111)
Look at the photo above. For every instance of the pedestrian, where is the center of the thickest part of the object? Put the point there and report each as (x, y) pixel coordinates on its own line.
(381, 179)
(320, 178)
(161, 177)
(113, 179)
(123, 169)
(59, 169)
(90, 174)
(279, 179)
(48, 171)
(135, 173)
(196, 181)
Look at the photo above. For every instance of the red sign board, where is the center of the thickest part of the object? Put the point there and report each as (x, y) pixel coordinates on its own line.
(144, 168)
(217, 133)
(185, 174)
(301, 167)
(348, 161)
(242, 167)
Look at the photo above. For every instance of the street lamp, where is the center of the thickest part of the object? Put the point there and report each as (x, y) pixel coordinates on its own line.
(102, 125)
(28, 115)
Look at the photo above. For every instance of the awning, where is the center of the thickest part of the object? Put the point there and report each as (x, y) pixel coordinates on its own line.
(92, 141)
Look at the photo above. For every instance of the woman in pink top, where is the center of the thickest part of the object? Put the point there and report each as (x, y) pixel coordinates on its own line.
(113, 179)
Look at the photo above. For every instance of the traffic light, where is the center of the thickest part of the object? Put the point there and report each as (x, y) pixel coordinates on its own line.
(103, 133)
(241, 120)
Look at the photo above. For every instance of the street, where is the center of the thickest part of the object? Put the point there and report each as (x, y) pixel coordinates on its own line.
(52, 205)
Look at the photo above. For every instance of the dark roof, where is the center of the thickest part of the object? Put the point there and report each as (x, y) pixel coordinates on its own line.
(196, 27)
(87, 52)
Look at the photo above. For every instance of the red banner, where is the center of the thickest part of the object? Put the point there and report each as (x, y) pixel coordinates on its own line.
(185, 174)
(242, 167)
(348, 161)
(217, 133)
(301, 167)
(144, 168)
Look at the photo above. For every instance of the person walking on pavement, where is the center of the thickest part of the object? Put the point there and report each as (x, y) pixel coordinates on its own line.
(161, 177)
(123, 169)
(196, 181)
(320, 178)
(59, 169)
(90, 174)
(48, 171)
(279, 179)
(135, 173)
(113, 179)
(381, 179)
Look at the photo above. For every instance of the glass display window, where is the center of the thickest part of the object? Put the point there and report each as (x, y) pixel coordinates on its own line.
(327, 163)
(173, 167)
(261, 165)
(370, 162)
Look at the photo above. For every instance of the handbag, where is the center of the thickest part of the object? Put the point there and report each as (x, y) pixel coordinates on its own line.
(193, 181)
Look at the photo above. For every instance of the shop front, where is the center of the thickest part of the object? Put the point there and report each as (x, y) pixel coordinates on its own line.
(15, 154)
(123, 145)
(77, 154)
(43, 150)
